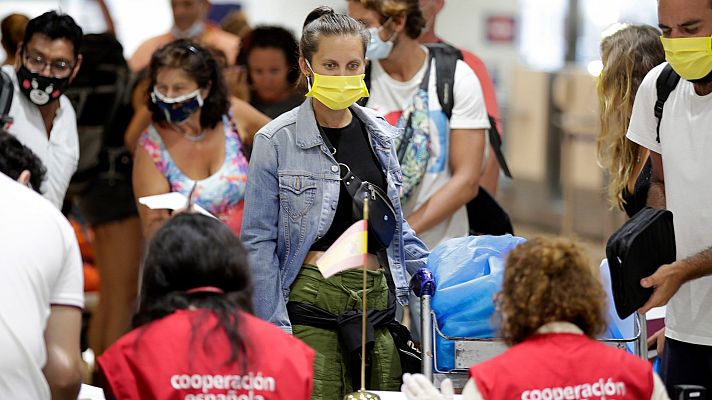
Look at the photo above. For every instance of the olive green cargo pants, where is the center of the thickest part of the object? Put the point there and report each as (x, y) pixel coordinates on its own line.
(342, 292)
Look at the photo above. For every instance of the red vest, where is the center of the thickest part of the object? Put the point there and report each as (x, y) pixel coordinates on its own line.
(165, 360)
(563, 366)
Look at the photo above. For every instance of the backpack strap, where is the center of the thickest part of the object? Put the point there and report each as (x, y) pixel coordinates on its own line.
(666, 83)
(446, 57)
(496, 143)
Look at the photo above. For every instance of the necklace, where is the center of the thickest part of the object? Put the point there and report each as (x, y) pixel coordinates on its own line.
(195, 138)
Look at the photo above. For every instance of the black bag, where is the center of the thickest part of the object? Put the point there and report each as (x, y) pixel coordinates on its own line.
(635, 251)
(487, 217)
(381, 214)
(410, 356)
(6, 93)
(100, 97)
(348, 326)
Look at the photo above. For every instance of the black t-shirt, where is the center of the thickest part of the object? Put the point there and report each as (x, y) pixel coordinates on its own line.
(637, 200)
(353, 149)
(274, 110)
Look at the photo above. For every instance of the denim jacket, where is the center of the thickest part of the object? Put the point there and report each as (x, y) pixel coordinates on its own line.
(290, 201)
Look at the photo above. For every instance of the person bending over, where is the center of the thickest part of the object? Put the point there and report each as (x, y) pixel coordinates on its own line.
(19, 162)
(41, 296)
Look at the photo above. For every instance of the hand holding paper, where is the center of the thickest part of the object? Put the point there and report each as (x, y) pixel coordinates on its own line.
(171, 201)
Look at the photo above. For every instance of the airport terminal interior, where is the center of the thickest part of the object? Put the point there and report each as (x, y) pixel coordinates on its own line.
(544, 64)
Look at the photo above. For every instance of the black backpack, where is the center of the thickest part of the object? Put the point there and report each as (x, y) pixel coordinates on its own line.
(666, 83)
(100, 97)
(6, 93)
(485, 215)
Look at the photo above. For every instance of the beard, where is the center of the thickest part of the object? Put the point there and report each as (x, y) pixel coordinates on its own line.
(705, 80)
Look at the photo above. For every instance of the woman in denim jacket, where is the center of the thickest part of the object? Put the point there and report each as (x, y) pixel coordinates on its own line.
(296, 206)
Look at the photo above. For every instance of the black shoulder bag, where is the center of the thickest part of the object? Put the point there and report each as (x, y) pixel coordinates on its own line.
(382, 215)
(645, 242)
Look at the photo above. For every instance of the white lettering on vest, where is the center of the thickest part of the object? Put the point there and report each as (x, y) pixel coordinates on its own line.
(252, 383)
(603, 388)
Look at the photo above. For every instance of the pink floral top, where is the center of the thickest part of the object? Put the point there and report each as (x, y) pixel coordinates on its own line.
(221, 193)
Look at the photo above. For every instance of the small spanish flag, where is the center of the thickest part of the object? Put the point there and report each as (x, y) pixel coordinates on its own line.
(348, 251)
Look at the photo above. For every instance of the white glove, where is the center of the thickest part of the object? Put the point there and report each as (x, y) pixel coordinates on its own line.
(418, 387)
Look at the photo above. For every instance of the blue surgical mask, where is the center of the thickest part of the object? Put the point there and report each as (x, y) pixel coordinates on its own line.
(193, 31)
(378, 49)
(177, 109)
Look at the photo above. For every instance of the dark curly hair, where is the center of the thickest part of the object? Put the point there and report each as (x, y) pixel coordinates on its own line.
(410, 9)
(189, 251)
(15, 157)
(200, 64)
(548, 280)
(272, 37)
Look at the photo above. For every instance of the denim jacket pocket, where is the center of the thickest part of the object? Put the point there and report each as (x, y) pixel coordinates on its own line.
(297, 192)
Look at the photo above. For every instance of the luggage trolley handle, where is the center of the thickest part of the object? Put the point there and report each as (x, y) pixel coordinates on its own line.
(423, 285)
(642, 343)
(639, 340)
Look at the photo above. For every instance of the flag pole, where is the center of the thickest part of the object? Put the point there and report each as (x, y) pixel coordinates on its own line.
(363, 304)
(362, 394)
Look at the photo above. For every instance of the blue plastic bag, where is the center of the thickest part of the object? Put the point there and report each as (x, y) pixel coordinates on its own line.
(468, 272)
(616, 328)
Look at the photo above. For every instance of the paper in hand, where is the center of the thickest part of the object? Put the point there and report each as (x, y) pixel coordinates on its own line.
(91, 393)
(171, 201)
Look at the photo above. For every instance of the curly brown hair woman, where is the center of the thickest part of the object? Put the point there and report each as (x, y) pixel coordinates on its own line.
(552, 307)
(549, 280)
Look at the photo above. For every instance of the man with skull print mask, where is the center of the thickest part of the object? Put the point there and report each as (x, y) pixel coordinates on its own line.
(46, 62)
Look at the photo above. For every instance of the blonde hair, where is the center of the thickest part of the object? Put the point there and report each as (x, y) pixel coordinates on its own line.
(627, 55)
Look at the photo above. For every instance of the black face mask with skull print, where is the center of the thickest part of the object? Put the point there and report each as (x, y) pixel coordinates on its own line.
(40, 89)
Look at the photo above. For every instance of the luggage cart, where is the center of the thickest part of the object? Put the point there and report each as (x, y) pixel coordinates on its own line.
(470, 351)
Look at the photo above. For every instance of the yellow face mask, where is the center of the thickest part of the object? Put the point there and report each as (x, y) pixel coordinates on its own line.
(337, 91)
(691, 58)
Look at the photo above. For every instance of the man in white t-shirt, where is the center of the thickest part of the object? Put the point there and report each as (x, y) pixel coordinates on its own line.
(436, 208)
(43, 118)
(680, 182)
(41, 298)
